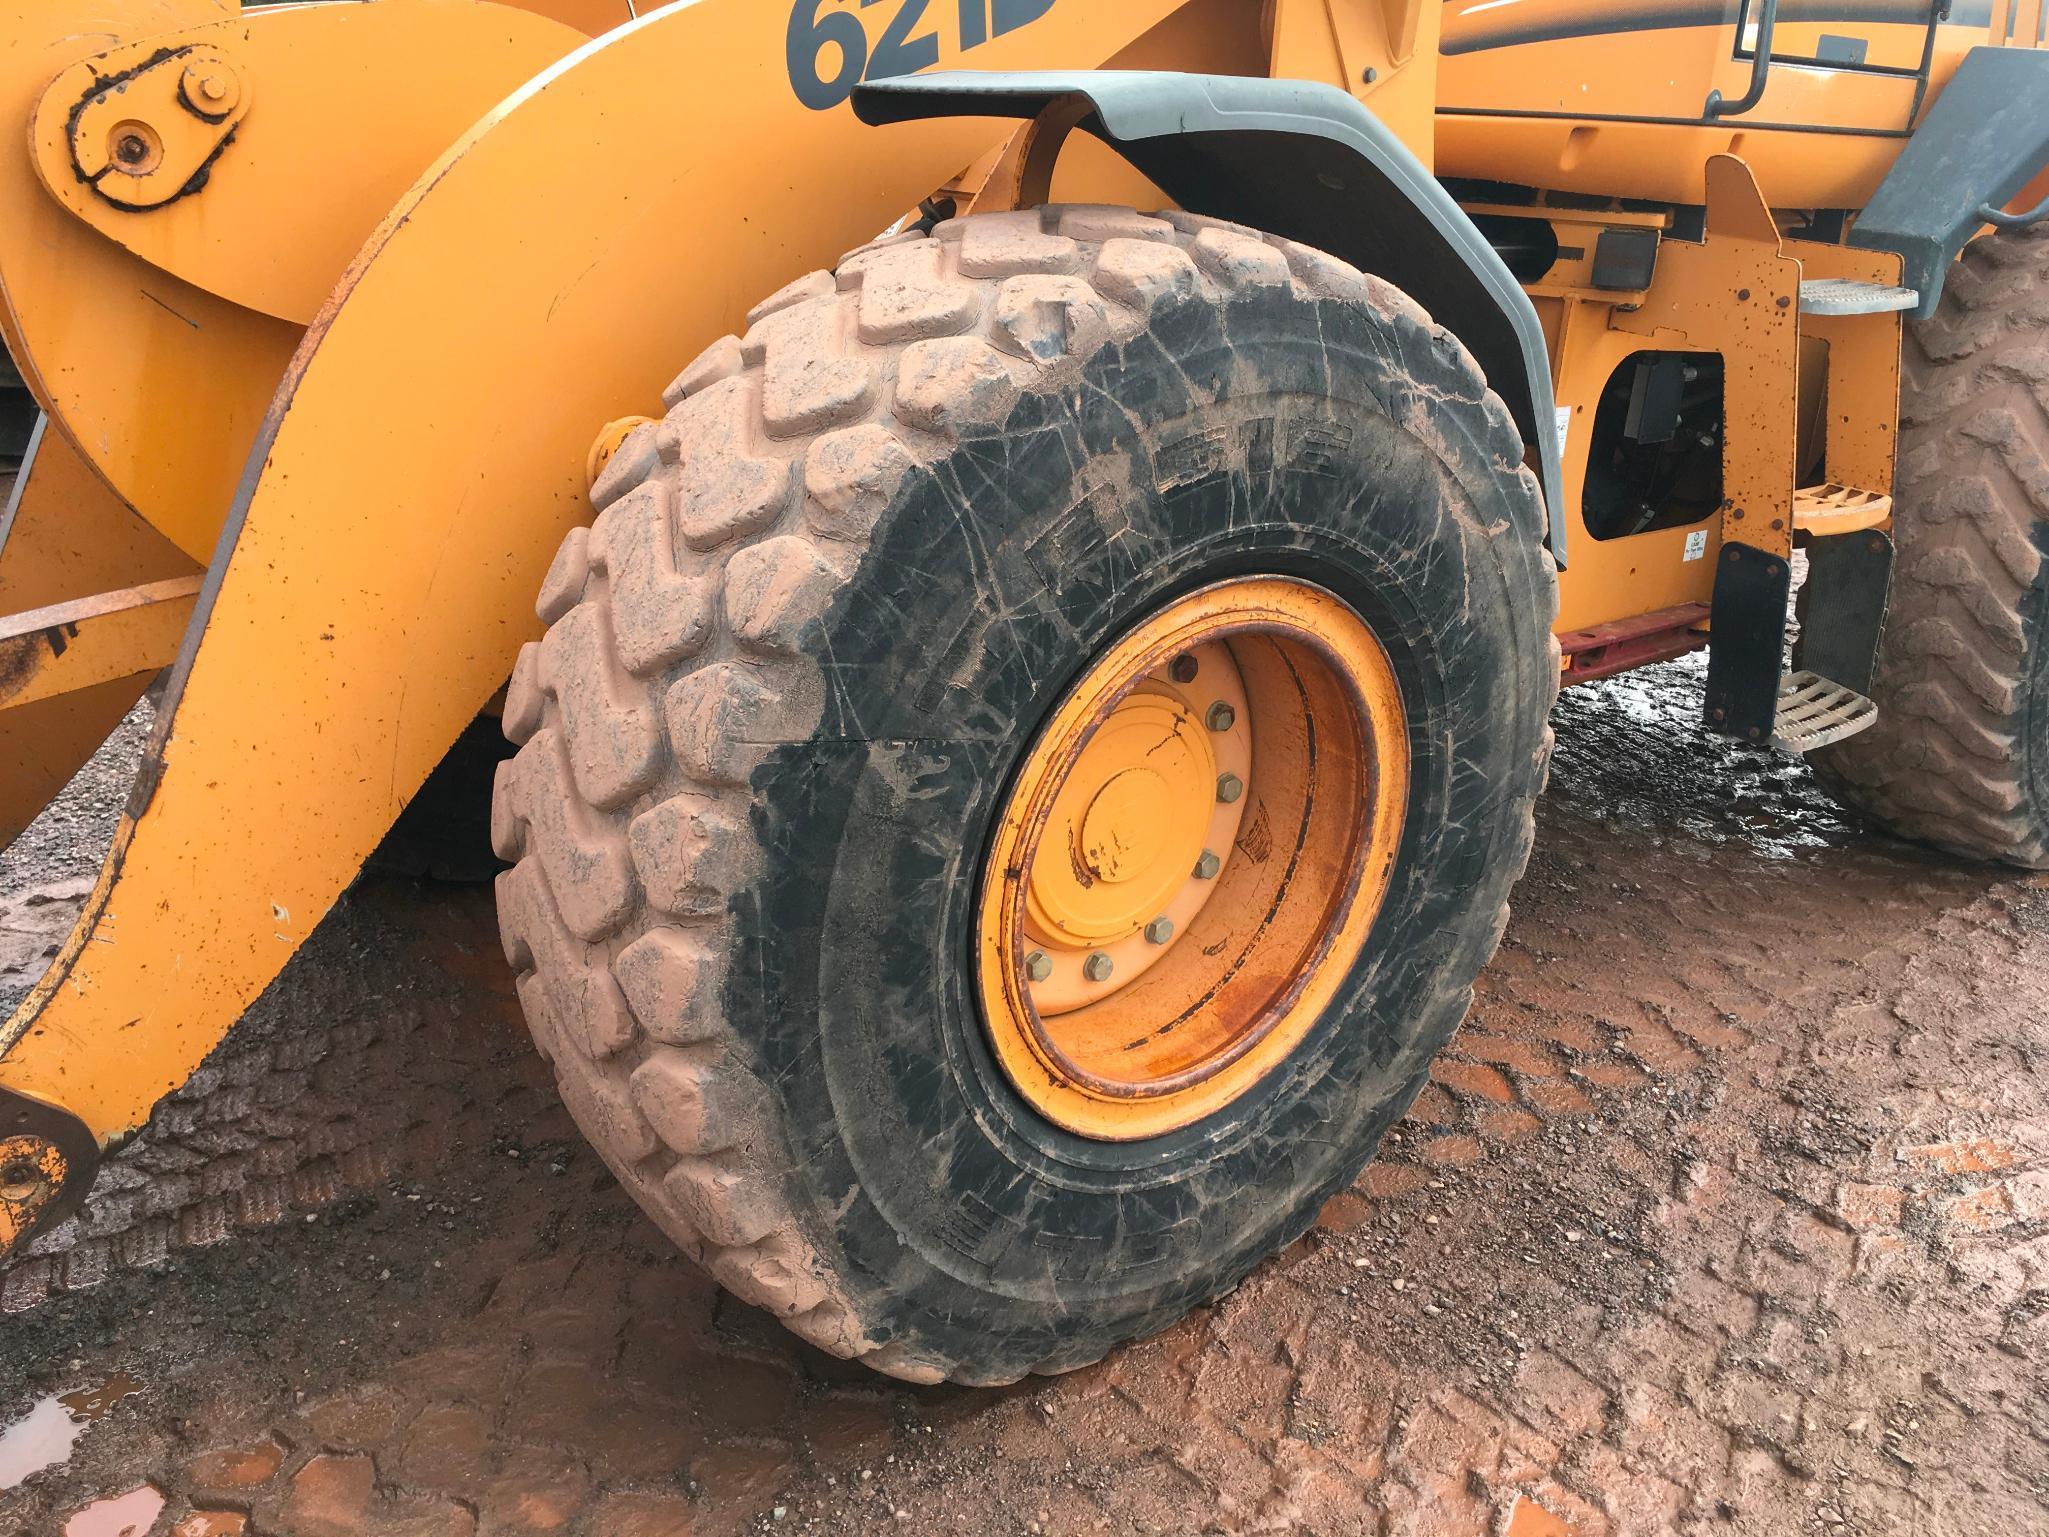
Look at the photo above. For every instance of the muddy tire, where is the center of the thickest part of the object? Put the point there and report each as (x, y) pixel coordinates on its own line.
(1959, 756)
(791, 668)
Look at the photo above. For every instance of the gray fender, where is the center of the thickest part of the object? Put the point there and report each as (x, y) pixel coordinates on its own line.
(1298, 159)
(1986, 137)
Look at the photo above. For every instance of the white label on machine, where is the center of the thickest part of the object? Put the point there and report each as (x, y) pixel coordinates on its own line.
(1564, 416)
(1696, 545)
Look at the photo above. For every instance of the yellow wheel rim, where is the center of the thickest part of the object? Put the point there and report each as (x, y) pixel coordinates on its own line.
(1191, 858)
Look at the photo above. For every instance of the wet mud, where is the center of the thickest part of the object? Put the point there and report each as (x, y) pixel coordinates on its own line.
(1727, 1211)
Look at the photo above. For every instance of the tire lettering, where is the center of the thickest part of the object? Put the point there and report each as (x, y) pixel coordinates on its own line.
(1076, 541)
(1197, 456)
(1318, 448)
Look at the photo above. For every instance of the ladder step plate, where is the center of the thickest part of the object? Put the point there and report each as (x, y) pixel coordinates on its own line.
(1814, 712)
(1835, 509)
(1843, 296)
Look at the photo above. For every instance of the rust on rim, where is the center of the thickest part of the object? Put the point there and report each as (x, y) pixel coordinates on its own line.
(1189, 862)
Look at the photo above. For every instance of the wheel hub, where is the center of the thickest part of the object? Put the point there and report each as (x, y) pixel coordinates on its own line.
(1134, 817)
(1191, 856)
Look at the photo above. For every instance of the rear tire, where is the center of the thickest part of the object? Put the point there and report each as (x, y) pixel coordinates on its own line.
(1959, 756)
(791, 670)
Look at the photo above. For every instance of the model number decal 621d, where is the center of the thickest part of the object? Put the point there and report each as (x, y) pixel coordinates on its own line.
(828, 35)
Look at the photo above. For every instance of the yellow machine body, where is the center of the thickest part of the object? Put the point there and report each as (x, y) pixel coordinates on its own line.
(325, 304)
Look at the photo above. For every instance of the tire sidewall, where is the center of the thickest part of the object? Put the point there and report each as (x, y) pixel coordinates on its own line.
(1271, 435)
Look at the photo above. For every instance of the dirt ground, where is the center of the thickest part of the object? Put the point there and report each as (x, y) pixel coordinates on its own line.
(1727, 1213)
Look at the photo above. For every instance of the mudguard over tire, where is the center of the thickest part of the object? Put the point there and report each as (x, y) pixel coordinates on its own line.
(791, 669)
(1959, 756)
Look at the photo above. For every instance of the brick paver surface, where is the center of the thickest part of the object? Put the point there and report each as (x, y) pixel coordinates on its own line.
(1727, 1212)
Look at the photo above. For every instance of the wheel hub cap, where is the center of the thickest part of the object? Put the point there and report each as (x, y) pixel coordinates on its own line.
(1191, 856)
(1133, 818)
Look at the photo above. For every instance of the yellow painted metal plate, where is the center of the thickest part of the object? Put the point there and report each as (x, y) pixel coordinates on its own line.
(1824, 510)
(346, 105)
(135, 128)
(1721, 295)
(159, 385)
(65, 535)
(425, 453)
(47, 653)
(1735, 293)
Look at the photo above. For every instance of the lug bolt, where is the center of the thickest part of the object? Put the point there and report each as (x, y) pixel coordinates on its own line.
(1183, 668)
(1038, 966)
(1159, 931)
(1229, 788)
(1221, 717)
(1206, 867)
(1097, 967)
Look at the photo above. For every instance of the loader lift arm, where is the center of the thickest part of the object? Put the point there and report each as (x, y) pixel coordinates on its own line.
(526, 312)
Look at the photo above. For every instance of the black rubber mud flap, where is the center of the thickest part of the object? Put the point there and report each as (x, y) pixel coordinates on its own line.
(1747, 644)
(1842, 608)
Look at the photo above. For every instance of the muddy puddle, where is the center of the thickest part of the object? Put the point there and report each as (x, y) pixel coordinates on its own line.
(121, 1515)
(1726, 1212)
(1633, 758)
(50, 1431)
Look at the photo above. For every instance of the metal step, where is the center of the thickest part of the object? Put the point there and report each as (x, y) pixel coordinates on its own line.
(1843, 296)
(1833, 509)
(1814, 712)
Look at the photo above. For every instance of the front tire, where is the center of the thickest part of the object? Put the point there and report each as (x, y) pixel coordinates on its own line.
(791, 675)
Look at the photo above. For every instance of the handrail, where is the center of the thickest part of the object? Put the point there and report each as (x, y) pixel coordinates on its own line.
(2005, 220)
(1760, 68)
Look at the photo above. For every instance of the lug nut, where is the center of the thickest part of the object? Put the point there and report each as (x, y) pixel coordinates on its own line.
(1206, 867)
(1221, 717)
(1183, 669)
(1038, 966)
(1229, 788)
(1097, 967)
(1159, 931)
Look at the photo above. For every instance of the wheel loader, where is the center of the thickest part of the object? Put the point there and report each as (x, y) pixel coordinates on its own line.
(1024, 729)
